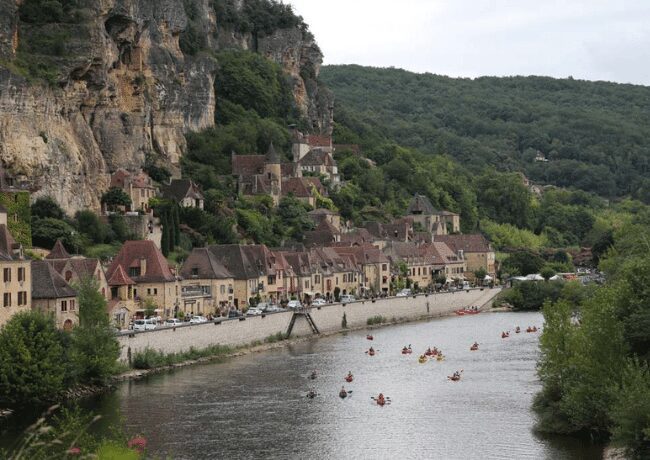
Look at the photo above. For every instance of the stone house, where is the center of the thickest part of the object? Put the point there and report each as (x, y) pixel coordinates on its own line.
(301, 281)
(184, 192)
(373, 265)
(322, 214)
(331, 270)
(452, 263)
(422, 212)
(51, 294)
(73, 269)
(207, 285)
(15, 269)
(420, 260)
(254, 272)
(138, 186)
(475, 249)
(122, 306)
(145, 265)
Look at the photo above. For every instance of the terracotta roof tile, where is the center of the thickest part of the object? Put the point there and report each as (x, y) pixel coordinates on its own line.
(131, 254)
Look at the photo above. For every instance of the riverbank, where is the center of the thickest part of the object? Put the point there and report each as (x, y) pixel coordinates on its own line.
(257, 347)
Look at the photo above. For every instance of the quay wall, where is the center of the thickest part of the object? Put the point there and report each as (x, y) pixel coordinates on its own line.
(244, 331)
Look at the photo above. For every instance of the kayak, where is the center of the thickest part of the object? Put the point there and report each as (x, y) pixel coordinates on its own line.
(311, 394)
(473, 348)
(371, 352)
(505, 335)
(369, 337)
(440, 358)
(349, 378)
(381, 402)
(422, 360)
(343, 394)
(406, 351)
(454, 378)
(313, 376)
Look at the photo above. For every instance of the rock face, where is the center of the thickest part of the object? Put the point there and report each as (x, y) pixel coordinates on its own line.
(125, 93)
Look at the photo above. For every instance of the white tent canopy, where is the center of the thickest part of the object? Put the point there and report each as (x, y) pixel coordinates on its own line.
(487, 278)
(535, 277)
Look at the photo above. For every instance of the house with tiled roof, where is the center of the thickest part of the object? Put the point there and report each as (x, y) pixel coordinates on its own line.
(302, 268)
(475, 249)
(207, 286)
(422, 262)
(73, 269)
(323, 214)
(373, 265)
(145, 265)
(254, 271)
(185, 192)
(420, 210)
(333, 271)
(15, 269)
(52, 295)
(137, 185)
(453, 263)
(306, 189)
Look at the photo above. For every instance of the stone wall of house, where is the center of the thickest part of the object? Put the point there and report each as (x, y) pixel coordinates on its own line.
(237, 332)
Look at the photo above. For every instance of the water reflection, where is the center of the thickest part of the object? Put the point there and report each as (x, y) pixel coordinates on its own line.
(255, 406)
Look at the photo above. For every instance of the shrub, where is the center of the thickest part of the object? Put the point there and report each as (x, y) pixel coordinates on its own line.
(32, 360)
(280, 336)
(375, 320)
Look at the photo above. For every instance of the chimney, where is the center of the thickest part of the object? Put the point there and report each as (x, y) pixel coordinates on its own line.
(143, 266)
(461, 254)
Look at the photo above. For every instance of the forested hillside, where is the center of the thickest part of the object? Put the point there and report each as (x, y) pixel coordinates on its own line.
(595, 135)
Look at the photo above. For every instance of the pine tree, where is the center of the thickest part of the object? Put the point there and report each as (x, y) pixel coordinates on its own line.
(165, 240)
(176, 226)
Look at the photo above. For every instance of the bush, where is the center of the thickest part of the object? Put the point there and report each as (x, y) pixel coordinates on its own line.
(33, 366)
(375, 320)
(280, 336)
(152, 359)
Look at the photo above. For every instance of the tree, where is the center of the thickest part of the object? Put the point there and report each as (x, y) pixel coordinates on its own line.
(46, 207)
(115, 197)
(165, 241)
(523, 263)
(337, 294)
(94, 348)
(88, 224)
(46, 231)
(480, 274)
(547, 273)
(32, 360)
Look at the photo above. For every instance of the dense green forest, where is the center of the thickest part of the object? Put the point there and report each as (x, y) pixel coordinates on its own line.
(596, 352)
(595, 135)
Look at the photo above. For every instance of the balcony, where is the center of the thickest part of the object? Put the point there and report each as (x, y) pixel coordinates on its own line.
(195, 292)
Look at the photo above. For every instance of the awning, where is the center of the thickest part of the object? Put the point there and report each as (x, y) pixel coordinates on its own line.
(487, 278)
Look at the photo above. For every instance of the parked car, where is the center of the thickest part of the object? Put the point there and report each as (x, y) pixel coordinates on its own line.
(319, 302)
(234, 313)
(173, 322)
(347, 298)
(144, 324)
(404, 293)
(273, 309)
(198, 319)
(293, 304)
(253, 311)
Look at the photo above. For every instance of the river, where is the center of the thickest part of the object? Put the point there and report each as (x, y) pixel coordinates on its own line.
(255, 406)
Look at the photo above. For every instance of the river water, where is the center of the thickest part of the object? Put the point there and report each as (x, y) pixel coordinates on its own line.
(256, 407)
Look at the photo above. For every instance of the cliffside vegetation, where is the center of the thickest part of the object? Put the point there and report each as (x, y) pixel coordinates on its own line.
(593, 134)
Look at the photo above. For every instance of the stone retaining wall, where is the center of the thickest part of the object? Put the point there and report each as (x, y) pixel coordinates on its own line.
(243, 331)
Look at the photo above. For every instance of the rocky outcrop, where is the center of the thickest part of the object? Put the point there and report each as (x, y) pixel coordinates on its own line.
(125, 93)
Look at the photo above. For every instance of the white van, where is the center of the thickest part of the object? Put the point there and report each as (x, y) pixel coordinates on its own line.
(347, 298)
(144, 324)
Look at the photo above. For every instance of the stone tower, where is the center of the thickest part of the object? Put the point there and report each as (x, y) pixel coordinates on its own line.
(273, 173)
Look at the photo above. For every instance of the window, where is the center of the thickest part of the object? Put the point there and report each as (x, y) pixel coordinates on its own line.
(148, 291)
(68, 275)
(7, 275)
(222, 289)
(64, 305)
(134, 271)
(317, 279)
(22, 298)
(72, 305)
(21, 274)
(384, 267)
(195, 271)
(155, 291)
(306, 284)
(345, 278)
(7, 299)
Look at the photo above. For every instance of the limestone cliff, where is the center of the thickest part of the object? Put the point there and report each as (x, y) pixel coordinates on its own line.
(123, 92)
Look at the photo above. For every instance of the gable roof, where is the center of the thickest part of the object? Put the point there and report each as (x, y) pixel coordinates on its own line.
(247, 165)
(420, 204)
(316, 140)
(317, 157)
(205, 264)
(179, 189)
(47, 283)
(244, 261)
(120, 278)
(130, 256)
(357, 237)
(58, 251)
(301, 187)
(9, 249)
(467, 243)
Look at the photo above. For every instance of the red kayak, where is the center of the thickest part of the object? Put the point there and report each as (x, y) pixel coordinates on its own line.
(371, 352)
(407, 351)
(349, 378)
(369, 337)
(460, 312)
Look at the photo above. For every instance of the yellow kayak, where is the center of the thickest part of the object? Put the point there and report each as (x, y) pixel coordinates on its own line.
(422, 360)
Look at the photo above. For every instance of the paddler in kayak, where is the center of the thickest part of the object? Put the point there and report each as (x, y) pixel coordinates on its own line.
(371, 351)
(474, 347)
(517, 330)
(313, 375)
(311, 394)
(380, 399)
(343, 393)
(349, 377)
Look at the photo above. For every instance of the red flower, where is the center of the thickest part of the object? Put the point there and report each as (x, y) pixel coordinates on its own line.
(138, 443)
(74, 451)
